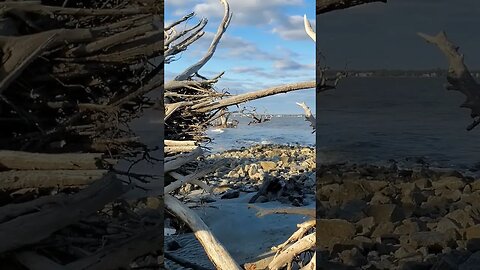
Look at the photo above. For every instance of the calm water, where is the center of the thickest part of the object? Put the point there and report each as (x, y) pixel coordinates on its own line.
(377, 119)
(280, 130)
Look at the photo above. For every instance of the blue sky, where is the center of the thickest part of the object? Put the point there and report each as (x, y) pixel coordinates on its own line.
(265, 45)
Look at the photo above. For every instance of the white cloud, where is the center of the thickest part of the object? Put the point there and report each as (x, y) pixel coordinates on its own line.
(292, 28)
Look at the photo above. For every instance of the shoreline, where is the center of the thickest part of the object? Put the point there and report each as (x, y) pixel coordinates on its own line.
(267, 176)
(388, 217)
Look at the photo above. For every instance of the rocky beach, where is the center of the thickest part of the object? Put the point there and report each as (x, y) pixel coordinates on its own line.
(249, 180)
(374, 217)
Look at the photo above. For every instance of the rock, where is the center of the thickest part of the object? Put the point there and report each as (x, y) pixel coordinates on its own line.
(461, 217)
(382, 229)
(475, 185)
(380, 198)
(366, 226)
(472, 263)
(445, 263)
(333, 231)
(446, 225)
(252, 170)
(385, 213)
(449, 182)
(231, 194)
(472, 232)
(268, 165)
(352, 257)
(407, 227)
(434, 241)
(423, 183)
(153, 203)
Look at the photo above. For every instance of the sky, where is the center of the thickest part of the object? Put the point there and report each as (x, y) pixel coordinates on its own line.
(264, 46)
(383, 35)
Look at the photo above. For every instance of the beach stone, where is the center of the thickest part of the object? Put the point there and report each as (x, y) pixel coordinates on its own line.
(472, 232)
(382, 229)
(379, 198)
(472, 263)
(352, 257)
(153, 202)
(268, 165)
(407, 227)
(461, 217)
(449, 182)
(333, 231)
(385, 213)
(366, 226)
(432, 240)
(374, 185)
(231, 194)
(423, 183)
(475, 185)
(446, 224)
(445, 263)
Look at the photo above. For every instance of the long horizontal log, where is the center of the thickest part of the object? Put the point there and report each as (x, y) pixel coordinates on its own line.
(37, 7)
(237, 99)
(13, 180)
(324, 6)
(217, 253)
(175, 162)
(19, 160)
(31, 228)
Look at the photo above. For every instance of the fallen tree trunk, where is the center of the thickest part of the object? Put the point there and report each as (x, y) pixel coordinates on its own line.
(219, 256)
(324, 6)
(33, 227)
(19, 160)
(12, 180)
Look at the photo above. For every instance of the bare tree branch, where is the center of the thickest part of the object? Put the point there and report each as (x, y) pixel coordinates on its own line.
(458, 76)
(213, 46)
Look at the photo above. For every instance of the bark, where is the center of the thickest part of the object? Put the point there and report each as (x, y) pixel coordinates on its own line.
(237, 99)
(33, 227)
(306, 243)
(459, 77)
(19, 160)
(219, 256)
(324, 6)
(13, 180)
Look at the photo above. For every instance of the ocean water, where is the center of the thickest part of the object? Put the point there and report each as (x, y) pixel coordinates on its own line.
(373, 120)
(292, 130)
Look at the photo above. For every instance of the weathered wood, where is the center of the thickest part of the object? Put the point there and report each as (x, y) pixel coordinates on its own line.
(285, 257)
(33, 227)
(261, 212)
(241, 98)
(123, 253)
(12, 180)
(324, 6)
(175, 162)
(20, 160)
(308, 115)
(217, 253)
(459, 76)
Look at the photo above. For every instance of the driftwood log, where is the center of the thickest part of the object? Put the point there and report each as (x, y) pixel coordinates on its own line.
(459, 77)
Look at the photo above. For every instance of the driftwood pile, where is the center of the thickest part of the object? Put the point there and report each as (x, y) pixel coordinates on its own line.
(74, 74)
